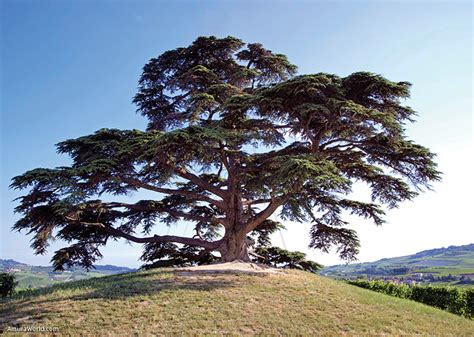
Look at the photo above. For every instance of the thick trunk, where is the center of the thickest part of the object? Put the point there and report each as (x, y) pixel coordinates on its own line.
(234, 248)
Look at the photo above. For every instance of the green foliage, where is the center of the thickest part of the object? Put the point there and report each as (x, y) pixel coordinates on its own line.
(171, 255)
(7, 284)
(279, 257)
(265, 253)
(261, 235)
(456, 300)
(208, 104)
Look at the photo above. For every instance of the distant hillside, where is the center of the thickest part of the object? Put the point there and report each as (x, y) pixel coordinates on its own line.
(453, 265)
(41, 276)
(160, 301)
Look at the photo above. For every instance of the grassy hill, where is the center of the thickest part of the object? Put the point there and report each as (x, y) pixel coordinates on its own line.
(453, 265)
(162, 301)
(31, 277)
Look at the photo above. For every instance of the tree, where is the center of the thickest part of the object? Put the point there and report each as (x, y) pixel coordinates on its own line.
(234, 135)
(7, 284)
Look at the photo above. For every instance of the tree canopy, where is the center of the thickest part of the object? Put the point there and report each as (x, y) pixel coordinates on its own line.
(234, 135)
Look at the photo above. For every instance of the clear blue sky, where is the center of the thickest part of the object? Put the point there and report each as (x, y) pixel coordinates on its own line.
(69, 68)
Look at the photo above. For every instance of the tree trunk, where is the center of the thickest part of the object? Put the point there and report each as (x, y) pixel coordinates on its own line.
(234, 249)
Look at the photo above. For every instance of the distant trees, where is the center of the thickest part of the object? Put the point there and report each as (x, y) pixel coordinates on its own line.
(7, 284)
(234, 136)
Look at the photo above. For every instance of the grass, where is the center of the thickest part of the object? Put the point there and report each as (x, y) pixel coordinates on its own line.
(171, 303)
(33, 279)
(27, 280)
(445, 271)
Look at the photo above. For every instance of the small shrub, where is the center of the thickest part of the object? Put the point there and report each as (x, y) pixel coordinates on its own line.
(7, 284)
(468, 309)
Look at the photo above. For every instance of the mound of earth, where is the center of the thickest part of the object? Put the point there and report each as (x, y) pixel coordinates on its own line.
(230, 267)
(250, 302)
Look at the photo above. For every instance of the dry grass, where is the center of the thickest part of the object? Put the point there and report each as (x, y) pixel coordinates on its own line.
(169, 303)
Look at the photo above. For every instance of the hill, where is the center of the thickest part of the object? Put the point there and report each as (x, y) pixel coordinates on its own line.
(167, 302)
(42, 276)
(453, 265)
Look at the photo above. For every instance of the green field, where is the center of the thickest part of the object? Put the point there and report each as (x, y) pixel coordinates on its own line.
(436, 265)
(32, 280)
(32, 277)
(163, 301)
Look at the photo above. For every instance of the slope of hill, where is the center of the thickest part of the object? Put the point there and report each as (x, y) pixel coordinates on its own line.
(453, 265)
(41, 276)
(166, 302)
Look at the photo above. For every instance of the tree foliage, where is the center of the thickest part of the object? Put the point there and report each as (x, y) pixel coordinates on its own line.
(7, 284)
(234, 135)
(279, 257)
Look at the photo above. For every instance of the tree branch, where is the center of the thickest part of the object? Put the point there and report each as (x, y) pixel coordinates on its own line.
(256, 201)
(198, 231)
(191, 194)
(156, 238)
(199, 182)
(350, 141)
(175, 213)
(263, 215)
(224, 159)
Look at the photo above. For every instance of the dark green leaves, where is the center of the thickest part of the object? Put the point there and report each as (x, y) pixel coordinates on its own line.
(346, 241)
(279, 257)
(78, 254)
(171, 255)
(232, 132)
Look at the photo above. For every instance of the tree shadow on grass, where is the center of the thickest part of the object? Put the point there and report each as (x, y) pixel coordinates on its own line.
(92, 283)
(34, 306)
(143, 286)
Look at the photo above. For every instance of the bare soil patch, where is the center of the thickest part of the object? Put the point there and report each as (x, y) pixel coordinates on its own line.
(229, 267)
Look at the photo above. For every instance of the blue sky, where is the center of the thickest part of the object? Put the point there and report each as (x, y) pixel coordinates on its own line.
(70, 68)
